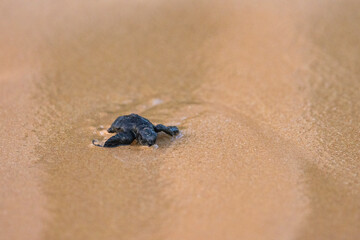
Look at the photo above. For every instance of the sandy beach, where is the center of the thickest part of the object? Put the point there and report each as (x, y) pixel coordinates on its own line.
(266, 95)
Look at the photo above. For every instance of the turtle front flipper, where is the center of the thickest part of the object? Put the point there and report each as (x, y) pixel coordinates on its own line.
(123, 138)
(171, 130)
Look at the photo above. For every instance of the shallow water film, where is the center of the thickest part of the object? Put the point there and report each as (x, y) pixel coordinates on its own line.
(266, 95)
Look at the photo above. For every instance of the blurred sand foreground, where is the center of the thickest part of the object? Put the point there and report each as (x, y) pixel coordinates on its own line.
(266, 94)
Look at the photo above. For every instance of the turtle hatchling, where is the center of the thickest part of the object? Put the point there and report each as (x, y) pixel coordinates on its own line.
(131, 127)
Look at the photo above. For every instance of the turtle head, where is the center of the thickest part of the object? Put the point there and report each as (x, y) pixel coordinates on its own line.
(147, 137)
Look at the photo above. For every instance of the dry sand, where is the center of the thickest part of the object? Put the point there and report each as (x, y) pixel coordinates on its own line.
(266, 94)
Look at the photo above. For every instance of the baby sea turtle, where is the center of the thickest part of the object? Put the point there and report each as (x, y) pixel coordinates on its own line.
(131, 127)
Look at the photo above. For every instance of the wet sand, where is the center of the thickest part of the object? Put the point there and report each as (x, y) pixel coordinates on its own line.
(265, 93)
